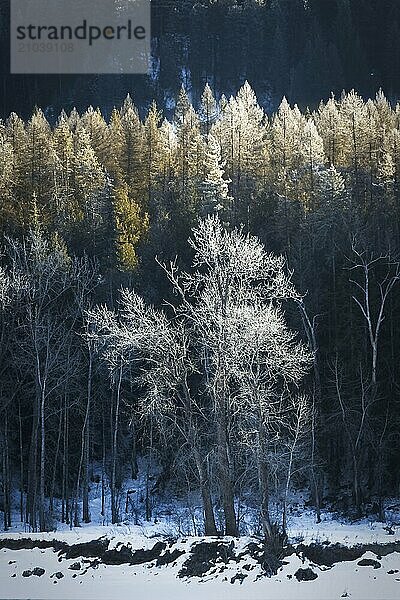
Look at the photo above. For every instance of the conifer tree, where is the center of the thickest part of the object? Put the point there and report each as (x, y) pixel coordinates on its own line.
(355, 151)
(65, 197)
(90, 187)
(169, 145)
(131, 224)
(73, 120)
(96, 127)
(241, 133)
(208, 111)
(132, 149)
(153, 152)
(6, 181)
(286, 149)
(251, 133)
(313, 157)
(214, 188)
(189, 157)
(327, 120)
(40, 168)
(116, 137)
(182, 106)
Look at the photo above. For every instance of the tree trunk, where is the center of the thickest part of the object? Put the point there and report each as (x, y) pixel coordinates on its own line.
(53, 481)
(148, 507)
(356, 485)
(313, 469)
(42, 520)
(6, 477)
(64, 491)
(114, 507)
(21, 465)
(103, 466)
(85, 424)
(134, 465)
(309, 327)
(226, 480)
(263, 482)
(210, 527)
(32, 468)
(85, 491)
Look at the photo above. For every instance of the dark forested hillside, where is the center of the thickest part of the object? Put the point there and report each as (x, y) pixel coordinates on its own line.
(304, 49)
(211, 386)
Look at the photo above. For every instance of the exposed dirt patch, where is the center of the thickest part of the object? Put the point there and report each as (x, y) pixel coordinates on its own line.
(369, 562)
(117, 556)
(94, 548)
(329, 555)
(169, 557)
(239, 577)
(142, 556)
(204, 556)
(268, 559)
(383, 549)
(334, 553)
(30, 544)
(125, 554)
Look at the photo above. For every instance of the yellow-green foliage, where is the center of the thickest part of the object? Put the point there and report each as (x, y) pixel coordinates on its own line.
(60, 177)
(131, 225)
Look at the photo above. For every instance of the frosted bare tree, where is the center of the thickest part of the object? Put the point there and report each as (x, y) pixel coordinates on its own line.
(161, 350)
(11, 288)
(356, 419)
(270, 364)
(366, 264)
(49, 310)
(241, 336)
(227, 327)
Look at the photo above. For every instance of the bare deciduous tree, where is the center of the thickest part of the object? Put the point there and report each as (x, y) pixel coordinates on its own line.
(366, 264)
(222, 354)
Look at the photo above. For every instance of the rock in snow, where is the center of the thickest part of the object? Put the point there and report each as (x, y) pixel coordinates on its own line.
(369, 562)
(305, 574)
(38, 571)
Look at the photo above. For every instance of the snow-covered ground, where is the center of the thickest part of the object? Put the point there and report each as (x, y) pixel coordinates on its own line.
(367, 531)
(345, 579)
(342, 580)
(174, 520)
(302, 528)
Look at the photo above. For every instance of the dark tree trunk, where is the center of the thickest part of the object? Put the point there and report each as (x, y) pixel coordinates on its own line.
(226, 480)
(134, 464)
(263, 482)
(21, 465)
(42, 519)
(85, 492)
(31, 517)
(114, 503)
(83, 438)
(210, 527)
(53, 481)
(6, 476)
(65, 490)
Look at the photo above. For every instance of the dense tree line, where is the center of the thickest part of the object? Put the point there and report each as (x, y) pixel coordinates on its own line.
(301, 48)
(197, 369)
